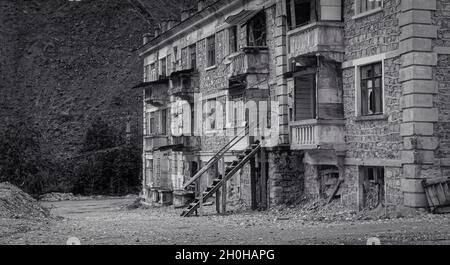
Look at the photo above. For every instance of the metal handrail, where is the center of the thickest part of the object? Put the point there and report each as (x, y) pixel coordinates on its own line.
(220, 154)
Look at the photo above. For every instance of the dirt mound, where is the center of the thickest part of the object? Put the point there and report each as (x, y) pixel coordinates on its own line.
(14, 203)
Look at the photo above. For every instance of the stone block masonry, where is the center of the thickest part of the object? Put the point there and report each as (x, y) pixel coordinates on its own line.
(418, 97)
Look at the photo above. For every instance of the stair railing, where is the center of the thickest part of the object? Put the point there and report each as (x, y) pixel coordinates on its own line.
(213, 160)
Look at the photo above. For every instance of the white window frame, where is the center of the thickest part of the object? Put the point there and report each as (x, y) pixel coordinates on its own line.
(356, 7)
(357, 70)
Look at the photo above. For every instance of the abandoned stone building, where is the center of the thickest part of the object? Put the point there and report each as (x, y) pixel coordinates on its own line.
(349, 97)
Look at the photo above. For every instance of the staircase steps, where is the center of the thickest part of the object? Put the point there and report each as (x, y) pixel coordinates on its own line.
(230, 171)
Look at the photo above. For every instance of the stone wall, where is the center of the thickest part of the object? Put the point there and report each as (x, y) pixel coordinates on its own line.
(441, 18)
(286, 177)
(374, 142)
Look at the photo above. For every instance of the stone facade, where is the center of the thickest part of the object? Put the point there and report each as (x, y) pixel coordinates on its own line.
(328, 140)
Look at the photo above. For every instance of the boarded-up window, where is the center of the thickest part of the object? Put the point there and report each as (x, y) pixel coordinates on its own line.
(305, 97)
(371, 89)
(331, 10)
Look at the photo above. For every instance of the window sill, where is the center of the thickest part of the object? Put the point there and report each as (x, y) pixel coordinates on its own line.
(212, 67)
(378, 117)
(368, 13)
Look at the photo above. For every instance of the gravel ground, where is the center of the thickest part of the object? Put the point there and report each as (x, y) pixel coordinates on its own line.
(108, 222)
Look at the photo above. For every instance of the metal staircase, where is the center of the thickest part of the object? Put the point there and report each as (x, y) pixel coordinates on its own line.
(237, 164)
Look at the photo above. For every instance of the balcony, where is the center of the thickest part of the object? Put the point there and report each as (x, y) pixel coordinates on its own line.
(156, 92)
(251, 60)
(317, 134)
(186, 143)
(154, 142)
(184, 83)
(326, 38)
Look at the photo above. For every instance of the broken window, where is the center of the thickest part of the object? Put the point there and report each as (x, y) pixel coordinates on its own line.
(367, 5)
(372, 187)
(371, 89)
(163, 63)
(163, 122)
(147, 73)
(211, 50)
(210, 114)
(233, 43)
(300, 12)
(193, 56)
(153, 72)
(256, 30)
(184, 59)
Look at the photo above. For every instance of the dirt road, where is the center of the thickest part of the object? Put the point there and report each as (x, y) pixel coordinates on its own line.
(107, 222)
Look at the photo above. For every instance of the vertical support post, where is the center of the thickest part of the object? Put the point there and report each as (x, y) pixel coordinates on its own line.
(217, 173)
(263, 179)
(224, 194)
(253, 183)
(201, 196)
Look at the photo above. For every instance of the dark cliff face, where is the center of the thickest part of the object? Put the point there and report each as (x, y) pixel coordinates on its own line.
(65, 63)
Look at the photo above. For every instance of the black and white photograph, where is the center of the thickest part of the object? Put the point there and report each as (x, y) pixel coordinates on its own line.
(226, 123)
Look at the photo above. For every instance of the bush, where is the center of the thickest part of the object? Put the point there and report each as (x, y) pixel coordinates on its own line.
(22, 162)
(107, 165)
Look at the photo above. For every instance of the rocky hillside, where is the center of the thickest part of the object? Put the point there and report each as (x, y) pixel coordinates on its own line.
(63, 63)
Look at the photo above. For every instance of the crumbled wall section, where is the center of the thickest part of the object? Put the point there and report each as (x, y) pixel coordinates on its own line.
(286, 177)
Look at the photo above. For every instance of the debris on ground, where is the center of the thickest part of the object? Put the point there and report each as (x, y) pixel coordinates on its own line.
(138, 203)
(15, 203)
(57, 196)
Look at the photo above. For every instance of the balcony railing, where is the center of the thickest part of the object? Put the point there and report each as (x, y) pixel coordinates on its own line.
(317, 134)
(184, 83)
(188, 143)
(318, 37)
(251, 60)
(154, 142)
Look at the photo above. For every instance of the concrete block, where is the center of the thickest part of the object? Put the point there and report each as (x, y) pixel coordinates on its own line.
(412, 185)
(417, 101)
(420, 115)
(419, 87)
(415, 200)
(415, 44)
(418, 31)
(420, 143)
(407, 5)
(419, 58)
(416, 72)
(416, 128)
(415, 16)
(417, 157)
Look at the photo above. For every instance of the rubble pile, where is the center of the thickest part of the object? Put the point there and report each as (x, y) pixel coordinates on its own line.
(57, 196)
(14, 203)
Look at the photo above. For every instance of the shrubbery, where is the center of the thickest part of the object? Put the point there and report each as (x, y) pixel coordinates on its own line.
(105, 165)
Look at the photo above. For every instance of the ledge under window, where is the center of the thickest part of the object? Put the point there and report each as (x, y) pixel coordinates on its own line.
(378, 117)
(368, 13)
